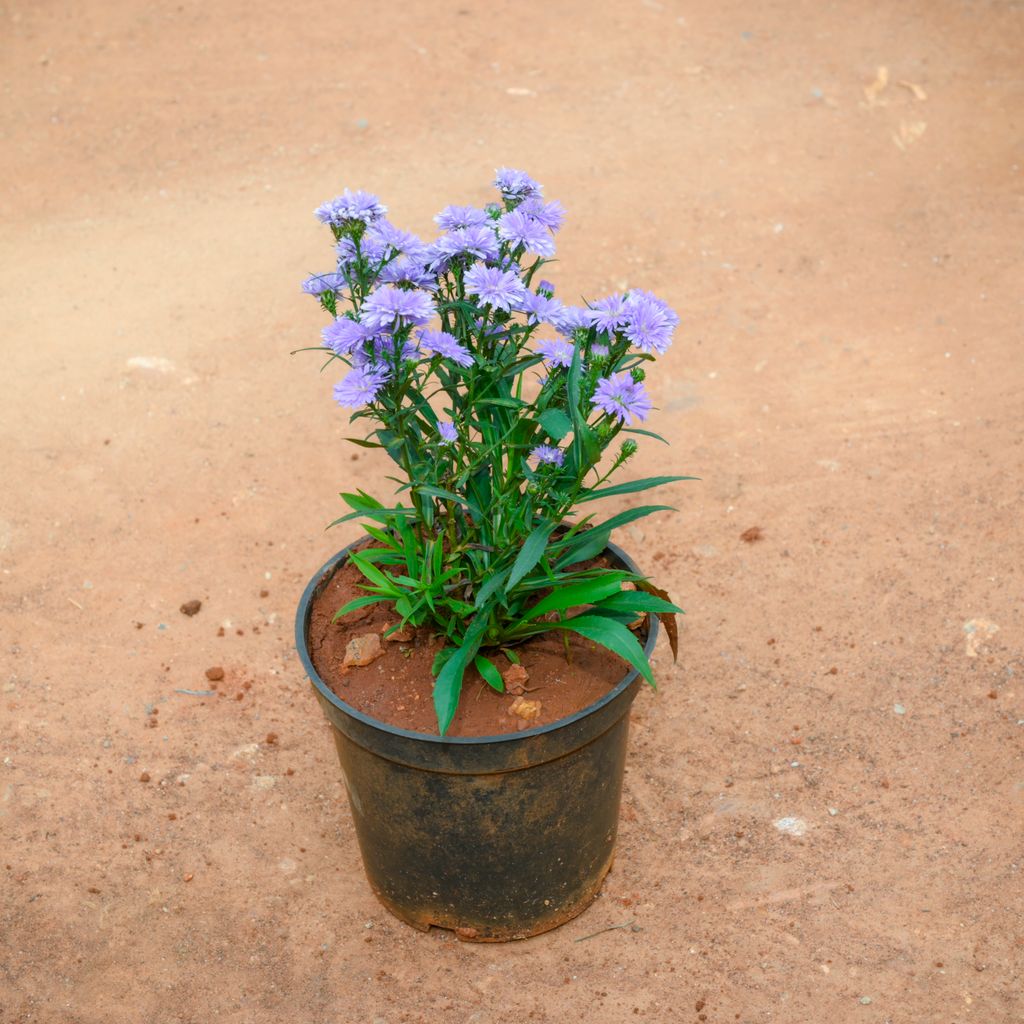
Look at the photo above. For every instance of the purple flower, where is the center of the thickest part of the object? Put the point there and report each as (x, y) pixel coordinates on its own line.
(556, 352)
(447, 431)
(477, 240)
(599, 351)
(441, 343)
(498, 288)
(385, 350)
(621, 396)
(609, 315)
(385, 236)
(361, 385)
(389, 305)
(572, 319)
(372, 249)
(546, 286)
(320, 283)
(550, 214)
(519, 229)
(515, 184)
(344, 336)
(406, 270)
(350, 207)
(651, 322)
(539, 308)
(453, 217)
(548, 453)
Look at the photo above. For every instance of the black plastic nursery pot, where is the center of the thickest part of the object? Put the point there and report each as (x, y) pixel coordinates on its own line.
(494, 837)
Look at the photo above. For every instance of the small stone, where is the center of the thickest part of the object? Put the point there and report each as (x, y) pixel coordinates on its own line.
(190, 608)
(264, 781)
(752, 535)
(525, 709)
(215, 674)
(363, 650)
(865, 1000)
(515, 678)
(144, 777)
(899, 709)
(271, 739)
(791, 826)
(833, 811)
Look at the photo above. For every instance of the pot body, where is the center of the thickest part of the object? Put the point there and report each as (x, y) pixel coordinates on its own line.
(495, 837)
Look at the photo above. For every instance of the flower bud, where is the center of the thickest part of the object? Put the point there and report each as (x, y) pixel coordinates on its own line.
(628, 449)
(637, 374)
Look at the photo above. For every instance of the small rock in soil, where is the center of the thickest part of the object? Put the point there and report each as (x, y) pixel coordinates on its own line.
(362, 650)
(215, 674)
(755, 533)
(515, 677)
(525, 709)
(191, 607)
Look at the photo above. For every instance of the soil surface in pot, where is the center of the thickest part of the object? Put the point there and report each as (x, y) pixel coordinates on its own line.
(396, 687)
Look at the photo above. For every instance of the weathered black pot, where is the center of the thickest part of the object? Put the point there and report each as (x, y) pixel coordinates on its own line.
(496, 837)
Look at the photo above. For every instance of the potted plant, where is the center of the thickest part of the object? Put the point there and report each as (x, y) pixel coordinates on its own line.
(507, 414)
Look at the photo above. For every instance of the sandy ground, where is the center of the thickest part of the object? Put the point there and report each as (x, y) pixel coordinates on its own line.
(848, 379)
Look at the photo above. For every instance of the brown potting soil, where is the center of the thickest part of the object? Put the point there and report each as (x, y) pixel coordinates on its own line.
(397, 688)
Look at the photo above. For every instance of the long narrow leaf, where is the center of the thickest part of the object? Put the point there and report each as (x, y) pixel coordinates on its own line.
(588, 592)
(614, 636)
(632, 486)
(529, 554)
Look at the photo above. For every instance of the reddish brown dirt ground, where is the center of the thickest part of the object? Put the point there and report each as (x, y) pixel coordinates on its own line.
(847, 378)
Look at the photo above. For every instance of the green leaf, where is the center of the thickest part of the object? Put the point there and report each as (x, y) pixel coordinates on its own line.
(356, 603)
(448, 684)
(490, 673)
(591, 544)
(362, 443)
(495, 583)
(636, 601)
(613, 635)
(645, 433)
(632, 486)
(440, 492)
(555, 422)
(588, 592)
(371, 572)
(529, 554)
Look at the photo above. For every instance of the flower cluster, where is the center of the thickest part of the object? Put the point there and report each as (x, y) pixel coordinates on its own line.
(497, 400)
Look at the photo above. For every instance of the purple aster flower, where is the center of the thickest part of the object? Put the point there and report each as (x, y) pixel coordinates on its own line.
(610, 314)
(447, 432)
(547, 287)
(572, 319)
(549, 454)
(515, 184)
(550, 214)
(539, 308)
(385, 350)
(556, 352)
(599, 351)
(621, 396)
(320, 283)
(389, 305)
(406, 270)
(453, 217)
(361, 385)
(498, 288)
(371, 249)
(344, 336)
(651, 322)
(519, 229)
(350, 207)
(477, 240)
(385, 235)
(441, 343)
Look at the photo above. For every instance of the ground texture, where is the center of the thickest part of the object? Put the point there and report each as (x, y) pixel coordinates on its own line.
(844, 246)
